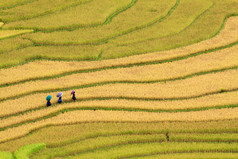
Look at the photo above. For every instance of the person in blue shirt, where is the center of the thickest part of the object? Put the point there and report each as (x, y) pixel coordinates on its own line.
(59, 95)
(60, 100)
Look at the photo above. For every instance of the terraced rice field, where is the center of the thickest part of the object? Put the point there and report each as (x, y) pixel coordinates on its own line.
(153, 79)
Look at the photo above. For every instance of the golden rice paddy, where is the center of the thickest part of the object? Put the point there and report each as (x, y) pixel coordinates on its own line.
(190, 87)
(9, 33)
(228, 35)
(94, 116)
(176, 97)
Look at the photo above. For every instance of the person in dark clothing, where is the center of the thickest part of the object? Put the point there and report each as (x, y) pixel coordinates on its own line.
(73, 93)
(48, 98)
(59, 95)
(48, 103)
(74, 98)
(60, 100)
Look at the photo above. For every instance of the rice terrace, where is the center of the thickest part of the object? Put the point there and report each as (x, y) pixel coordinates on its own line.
(116, 79)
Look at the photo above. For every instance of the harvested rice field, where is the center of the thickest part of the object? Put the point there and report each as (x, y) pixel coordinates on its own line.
(118, 79)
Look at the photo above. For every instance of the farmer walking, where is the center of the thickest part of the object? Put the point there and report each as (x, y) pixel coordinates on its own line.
(48, 98)
(73, 92)
(59, 95)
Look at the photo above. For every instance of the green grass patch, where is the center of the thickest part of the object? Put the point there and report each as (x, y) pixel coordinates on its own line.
(6, 155)
(25, 151)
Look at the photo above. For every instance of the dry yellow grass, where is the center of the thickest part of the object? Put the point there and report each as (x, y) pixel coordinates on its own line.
(208, 101)
(9, 33)
(228, 35)
(181, 88)
(95, 116)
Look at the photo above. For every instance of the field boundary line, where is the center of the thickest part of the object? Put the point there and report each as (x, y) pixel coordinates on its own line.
(18, 4)
(213, 4)
(31, 131)
(16, 35)
(180, 152)
(178, 58)
(115, 97)
(131, 133)
(62, 8)
(88, 137)
(118, 108)
(19, 48)
(60, 59)
(105, 39)
(108, 146)
(75, 27)
(58, 112)
(152, 132)
(159, 152)
(121, 81)
(138, 142)
(222, 26)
